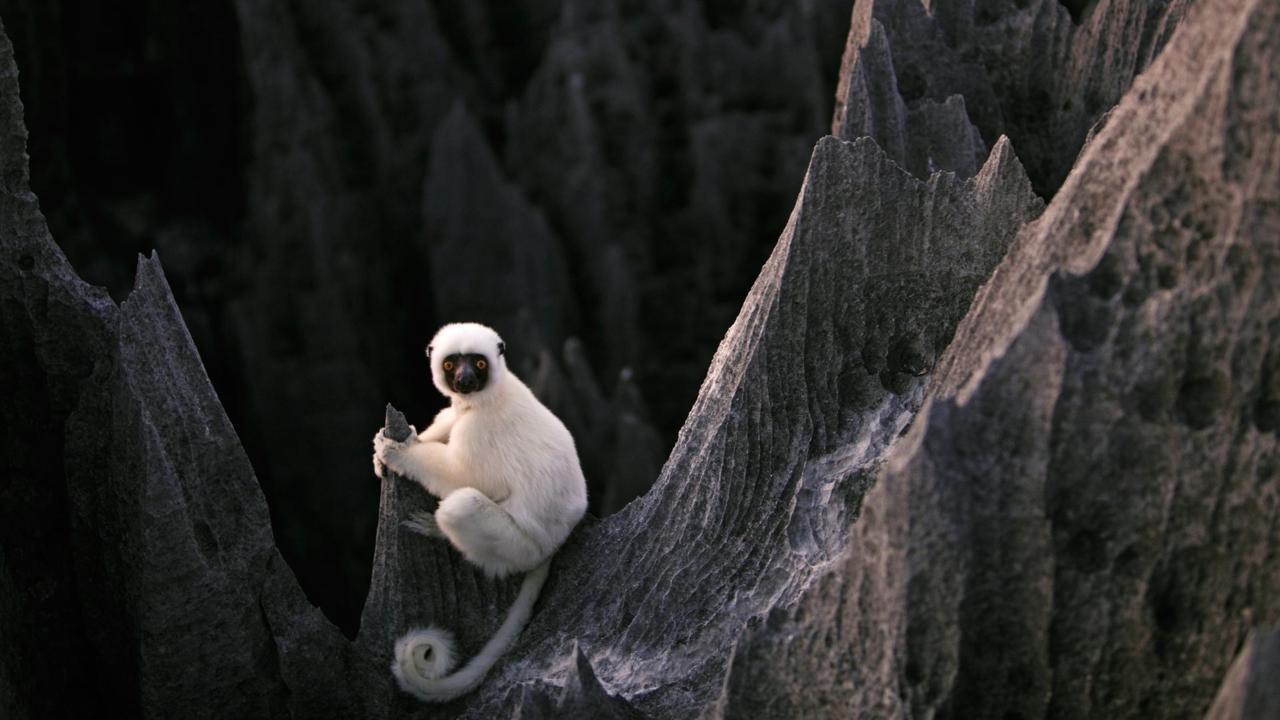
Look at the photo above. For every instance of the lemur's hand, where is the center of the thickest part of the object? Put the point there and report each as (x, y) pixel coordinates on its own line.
(388, 453)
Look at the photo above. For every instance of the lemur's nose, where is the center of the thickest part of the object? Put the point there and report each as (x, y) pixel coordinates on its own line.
(466, 379)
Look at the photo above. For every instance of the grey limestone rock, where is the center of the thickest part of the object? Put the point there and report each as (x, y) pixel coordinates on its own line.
(299, 170)
(1251, 690)
(174, 560)
(1083, 522)
(140, 572)
(824, 367)
(493, 259)
(932, 79)
(396, 425)
(665, 140)
(620, 450)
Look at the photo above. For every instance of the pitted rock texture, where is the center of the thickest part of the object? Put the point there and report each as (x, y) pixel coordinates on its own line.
(936, 82)
(1085, 520)
(824, 367)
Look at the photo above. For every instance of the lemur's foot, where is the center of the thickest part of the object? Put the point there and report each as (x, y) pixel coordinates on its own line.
(423, 523)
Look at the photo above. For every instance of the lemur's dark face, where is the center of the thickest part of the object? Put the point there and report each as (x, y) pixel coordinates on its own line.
(466, 372)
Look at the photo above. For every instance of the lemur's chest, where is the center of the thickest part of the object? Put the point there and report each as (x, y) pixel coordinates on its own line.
(483, 447)
(475, 435)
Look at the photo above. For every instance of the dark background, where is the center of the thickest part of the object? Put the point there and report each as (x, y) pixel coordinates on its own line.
(328, 182)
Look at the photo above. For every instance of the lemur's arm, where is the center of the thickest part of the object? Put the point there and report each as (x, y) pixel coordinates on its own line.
(440, 427)
(430, 464)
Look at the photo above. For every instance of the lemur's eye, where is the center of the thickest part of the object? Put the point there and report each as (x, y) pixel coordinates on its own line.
(448, 365)
(481, 364)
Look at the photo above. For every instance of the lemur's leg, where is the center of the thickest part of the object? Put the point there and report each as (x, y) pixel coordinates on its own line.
(486, 534)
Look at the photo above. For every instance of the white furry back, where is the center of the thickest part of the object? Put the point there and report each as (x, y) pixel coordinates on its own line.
(424, 656)
(535, 446)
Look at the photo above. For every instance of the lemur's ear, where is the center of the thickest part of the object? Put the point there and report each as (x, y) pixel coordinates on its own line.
(502, 348)
(428, 352)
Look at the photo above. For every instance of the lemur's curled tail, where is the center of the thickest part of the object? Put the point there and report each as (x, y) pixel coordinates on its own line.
(424, 656)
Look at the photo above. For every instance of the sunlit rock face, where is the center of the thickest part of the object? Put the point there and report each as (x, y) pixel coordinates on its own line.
(1082, 522)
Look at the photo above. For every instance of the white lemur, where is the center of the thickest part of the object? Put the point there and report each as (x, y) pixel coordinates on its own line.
(511, 489)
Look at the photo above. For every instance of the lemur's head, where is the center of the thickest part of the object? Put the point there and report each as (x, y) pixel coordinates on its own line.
(466, 359)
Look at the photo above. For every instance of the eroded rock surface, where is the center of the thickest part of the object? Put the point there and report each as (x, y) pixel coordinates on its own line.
(140, 571)
(1084, 521)
(824, 367)
(936, 82)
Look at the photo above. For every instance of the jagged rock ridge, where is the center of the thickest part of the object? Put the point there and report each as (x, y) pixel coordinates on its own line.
(1084, 520)
(853, 306)
(138, 549)
(931, 80)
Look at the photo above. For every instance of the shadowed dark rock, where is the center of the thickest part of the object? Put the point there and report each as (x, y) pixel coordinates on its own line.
(41, 303)
(638, 450)
(140, 570)
(931, 80)
(277, 154)
(1084, 520)
(344, 102)
(493, 259)
(665, 141)
(620, 451)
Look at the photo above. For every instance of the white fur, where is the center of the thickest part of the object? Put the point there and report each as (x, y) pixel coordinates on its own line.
(424, 656)
(511, 489)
